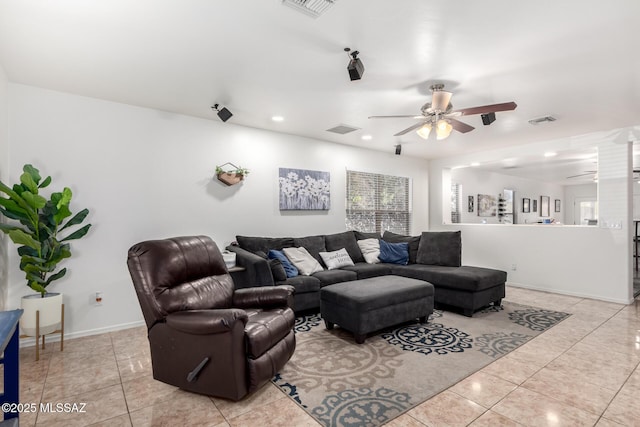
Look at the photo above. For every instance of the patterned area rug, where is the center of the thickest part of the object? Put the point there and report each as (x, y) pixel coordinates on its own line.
(341, 383)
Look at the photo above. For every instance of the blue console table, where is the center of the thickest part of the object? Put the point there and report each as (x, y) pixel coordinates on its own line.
(10, 347)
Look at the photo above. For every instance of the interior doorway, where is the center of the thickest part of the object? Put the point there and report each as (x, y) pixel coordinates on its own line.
(585, 211)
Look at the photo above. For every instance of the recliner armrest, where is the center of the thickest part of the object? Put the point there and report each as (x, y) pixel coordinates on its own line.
(267, 296)
(205, 322)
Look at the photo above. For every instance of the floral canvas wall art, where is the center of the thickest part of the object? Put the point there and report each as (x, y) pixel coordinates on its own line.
(487, 205)
(302, 189)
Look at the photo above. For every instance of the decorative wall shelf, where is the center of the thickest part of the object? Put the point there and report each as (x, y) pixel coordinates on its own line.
(232, 174)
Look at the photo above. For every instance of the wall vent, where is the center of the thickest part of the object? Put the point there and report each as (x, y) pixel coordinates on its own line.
(543, 119)
(342, 129)
(313, 8)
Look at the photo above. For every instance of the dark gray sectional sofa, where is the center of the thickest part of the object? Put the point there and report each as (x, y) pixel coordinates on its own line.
(434, 257)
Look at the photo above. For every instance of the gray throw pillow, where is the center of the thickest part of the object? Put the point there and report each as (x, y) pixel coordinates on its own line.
(440, 248)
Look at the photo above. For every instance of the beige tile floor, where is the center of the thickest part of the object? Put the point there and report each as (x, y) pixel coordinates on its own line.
(583, 371)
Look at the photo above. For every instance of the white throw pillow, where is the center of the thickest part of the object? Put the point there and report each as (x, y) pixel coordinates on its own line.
(336, 259)
(370, 249)
(302, 259)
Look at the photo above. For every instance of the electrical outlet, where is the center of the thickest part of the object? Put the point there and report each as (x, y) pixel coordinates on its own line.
(98, 298)
(514, 266)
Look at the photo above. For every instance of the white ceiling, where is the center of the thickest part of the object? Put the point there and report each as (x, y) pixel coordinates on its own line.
(574, 59)
(566, 167)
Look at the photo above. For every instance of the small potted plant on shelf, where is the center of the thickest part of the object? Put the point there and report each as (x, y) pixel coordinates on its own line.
(42, 230)
(232, 175)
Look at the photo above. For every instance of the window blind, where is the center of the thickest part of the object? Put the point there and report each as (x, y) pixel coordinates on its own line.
(455, 203)
(376, 203)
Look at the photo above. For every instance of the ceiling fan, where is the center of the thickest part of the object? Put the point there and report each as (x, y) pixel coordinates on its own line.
(635, 176)
(439, 114)
(594, 173)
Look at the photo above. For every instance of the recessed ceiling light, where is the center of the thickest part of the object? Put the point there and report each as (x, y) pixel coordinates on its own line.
(474, 164)
(367, 137)
(277, 118)
(550, 154)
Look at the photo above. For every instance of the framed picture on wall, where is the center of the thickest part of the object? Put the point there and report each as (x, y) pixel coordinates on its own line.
(302, 189)
(470, 203)
(487, 205)
(534, 205)
(526, 208)
(557, 209)
(545, 209)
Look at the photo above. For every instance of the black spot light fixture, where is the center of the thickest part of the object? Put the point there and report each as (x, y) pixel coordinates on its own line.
(488, 118)
(355, 67)
(223, 112)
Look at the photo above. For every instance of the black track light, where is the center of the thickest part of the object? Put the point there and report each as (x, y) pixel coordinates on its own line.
(223, 113)
(398, 149)
(355, 67)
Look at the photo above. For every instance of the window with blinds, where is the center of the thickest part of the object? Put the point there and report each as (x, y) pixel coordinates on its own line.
(455, 203)
(376, 203)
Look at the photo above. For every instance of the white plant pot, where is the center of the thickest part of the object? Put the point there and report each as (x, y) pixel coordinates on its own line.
(50, 308)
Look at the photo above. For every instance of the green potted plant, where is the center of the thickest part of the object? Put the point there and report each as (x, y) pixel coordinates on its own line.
(232, 175)
(42, 230)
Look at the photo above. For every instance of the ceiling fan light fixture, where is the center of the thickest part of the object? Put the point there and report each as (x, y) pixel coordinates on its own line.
(424, 131)
(440, 100)
(443, 129)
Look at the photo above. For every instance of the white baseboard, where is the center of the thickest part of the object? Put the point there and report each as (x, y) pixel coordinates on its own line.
(571, 294)
(31, 341)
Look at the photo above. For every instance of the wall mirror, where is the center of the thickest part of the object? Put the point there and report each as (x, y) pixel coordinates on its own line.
(570, 176)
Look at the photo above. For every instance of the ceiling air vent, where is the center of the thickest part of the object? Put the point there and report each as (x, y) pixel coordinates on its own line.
(342, 129)
(312, 8)
(539, 120)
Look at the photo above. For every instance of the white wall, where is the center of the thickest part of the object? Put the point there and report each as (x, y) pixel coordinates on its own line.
(146, 174)
(4, 174)
(585, 261)
(476, 181)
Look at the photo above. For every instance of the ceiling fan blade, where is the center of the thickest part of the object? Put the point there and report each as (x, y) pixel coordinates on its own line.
(396, 117)
(581, 174)
(460, 126)
(484, 109)
(409, 129)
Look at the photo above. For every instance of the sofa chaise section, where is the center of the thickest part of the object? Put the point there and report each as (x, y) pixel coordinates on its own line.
(465, 287)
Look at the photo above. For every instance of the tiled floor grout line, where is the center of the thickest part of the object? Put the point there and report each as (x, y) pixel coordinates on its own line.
(521, 385)
(619, 390)
(600, 416)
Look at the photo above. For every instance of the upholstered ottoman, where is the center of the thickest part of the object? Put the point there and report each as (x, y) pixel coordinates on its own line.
(367, 305)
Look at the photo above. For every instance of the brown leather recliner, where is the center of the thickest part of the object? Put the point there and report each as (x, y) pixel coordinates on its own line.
(204, 336)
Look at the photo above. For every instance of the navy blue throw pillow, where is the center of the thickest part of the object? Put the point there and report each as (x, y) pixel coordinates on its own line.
(394, 253)
(289, 268)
